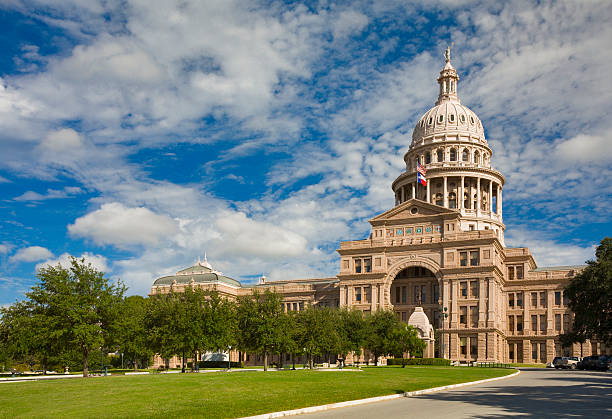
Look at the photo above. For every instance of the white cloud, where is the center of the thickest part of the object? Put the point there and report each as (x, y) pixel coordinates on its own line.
(119, 225)
(6, 248)
(585, 149)
(97, 261)
(65, 139)
(31, 254)
(349, 22)
(67, 192)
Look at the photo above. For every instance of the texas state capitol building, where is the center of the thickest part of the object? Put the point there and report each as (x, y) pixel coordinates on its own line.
(440, 248)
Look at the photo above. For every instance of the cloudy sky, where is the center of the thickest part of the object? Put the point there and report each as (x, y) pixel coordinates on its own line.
(141, 134)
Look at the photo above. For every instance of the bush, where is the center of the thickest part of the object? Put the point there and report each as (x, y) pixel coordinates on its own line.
(419, 361)
(217, 364)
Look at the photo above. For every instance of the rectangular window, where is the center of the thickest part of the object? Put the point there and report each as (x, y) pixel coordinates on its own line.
(358, 266)
(511, 324)
(474, 316)
(423, 294)
(403, 316)
(404, 295)
(358, 294)
(519, 272)
(534, 299)
(463, 315)
(519, 299)
(567, 320)
(534, 352)
(474, 258)
(367, 264)
(511, 300)
(416, 294)
(542, 352)
(511, 351)
(436, 294)
(474, 347)
(510, 273)
(543, 322)
(474, 289)
(543, 299)
(463, 289)
(558, 322)
(397, 295)
(463, 343)
(557, 298)
(565, 299)
(519, 323)
(534, 323)
(463, 258)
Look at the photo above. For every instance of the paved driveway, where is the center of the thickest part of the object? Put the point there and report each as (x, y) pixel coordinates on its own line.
(542, 393)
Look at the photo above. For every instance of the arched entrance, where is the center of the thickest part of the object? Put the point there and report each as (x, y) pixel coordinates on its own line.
(415, 286)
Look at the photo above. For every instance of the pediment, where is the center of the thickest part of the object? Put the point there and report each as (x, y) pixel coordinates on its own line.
(412, 209)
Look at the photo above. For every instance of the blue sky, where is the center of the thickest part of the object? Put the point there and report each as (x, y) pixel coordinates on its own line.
(141, 134)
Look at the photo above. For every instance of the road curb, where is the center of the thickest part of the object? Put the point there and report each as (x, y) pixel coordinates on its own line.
(324, 407)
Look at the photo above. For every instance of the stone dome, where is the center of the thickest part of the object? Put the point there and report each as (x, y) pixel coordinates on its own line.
(451, 117)
(448, 116)
(418, 319)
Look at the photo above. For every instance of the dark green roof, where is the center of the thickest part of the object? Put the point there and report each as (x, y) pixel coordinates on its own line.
(201, 274)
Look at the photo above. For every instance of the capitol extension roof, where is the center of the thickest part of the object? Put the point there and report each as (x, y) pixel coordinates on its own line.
(200, 273)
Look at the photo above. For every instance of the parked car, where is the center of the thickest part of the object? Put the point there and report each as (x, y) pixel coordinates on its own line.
(595, 362)
(568, 362)
(556, 361)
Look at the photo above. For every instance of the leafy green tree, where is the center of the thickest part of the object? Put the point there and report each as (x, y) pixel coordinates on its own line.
(381, 326)
(130, 331)
(70, 308)
(405, 339)
(352, 330)
(590, 298)
(260, 322)
(219, 324)
(318, 331)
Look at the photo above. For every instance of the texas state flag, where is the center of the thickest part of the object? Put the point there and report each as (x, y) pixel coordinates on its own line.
(421, 174)
(421, 179)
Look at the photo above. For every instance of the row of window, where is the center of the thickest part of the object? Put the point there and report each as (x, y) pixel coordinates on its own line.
(451, 118)
(406, 231)
(515, 299)
(420, 294)
(539, 322)
(453, 155)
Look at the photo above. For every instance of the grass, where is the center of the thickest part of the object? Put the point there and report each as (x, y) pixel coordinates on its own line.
(220, 394)
(528, 365)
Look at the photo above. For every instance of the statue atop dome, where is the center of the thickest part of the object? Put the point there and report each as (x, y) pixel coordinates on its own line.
(447, 54)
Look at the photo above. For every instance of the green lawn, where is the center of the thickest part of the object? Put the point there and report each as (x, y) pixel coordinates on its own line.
(220, 394)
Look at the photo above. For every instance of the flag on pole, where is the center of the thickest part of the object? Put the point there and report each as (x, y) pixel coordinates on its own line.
(421, 174)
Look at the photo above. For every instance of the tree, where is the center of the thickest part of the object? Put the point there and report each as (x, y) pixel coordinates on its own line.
(405, 339)
(590, 298)
(381, 325)
(69, 308)
(130, 331)
(318, 331)
(352, 331)
(260, 322)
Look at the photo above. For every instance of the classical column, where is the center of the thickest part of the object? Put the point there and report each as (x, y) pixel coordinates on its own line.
(478, 197)
(490, 196)
(427, 190)
(413, 191)
(481, 302)
(445, 192)
(491, 302)
(342, 295)
(374, 297)
(499, 200)
(462, 193)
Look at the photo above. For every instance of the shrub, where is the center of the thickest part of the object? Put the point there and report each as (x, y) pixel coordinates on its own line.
(419, 361)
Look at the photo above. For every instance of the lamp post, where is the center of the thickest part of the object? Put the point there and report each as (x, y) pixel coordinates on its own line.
(229, 361)
(443, 317)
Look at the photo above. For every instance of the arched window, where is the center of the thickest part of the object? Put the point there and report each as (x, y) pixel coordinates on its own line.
(476, 157)
(441, 119)
(452, 200)
(466, 155)
(451, 117)
(427, 157)
(453, 154)
(440, 155)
